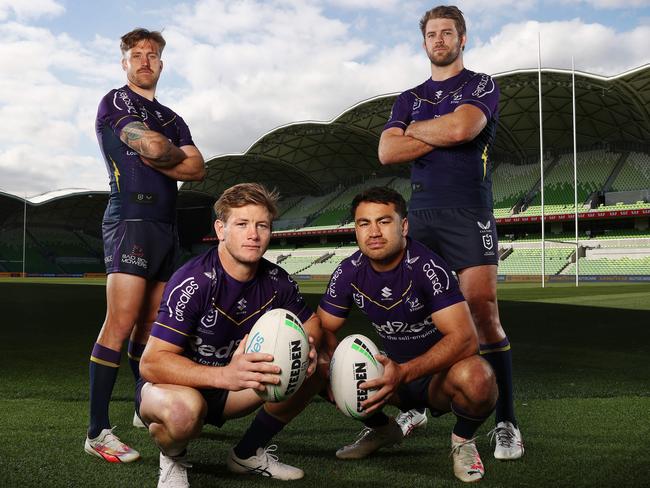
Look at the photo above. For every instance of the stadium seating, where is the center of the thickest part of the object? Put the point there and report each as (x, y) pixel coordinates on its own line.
(635, 174)
(529, 261)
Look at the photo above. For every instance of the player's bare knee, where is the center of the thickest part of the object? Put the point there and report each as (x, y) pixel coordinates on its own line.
(183, 418)
(475, 379)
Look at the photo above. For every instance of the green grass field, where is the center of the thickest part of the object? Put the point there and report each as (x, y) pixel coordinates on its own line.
(582, 385)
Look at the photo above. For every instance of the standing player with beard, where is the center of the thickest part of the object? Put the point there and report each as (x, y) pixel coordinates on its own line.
(147, 149)
(446, 127)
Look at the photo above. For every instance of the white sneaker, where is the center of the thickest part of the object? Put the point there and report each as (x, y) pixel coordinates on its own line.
(468, 466)
(509, 444)
(110, 448)
(264, 463)
(408, 421)
(370, 440)
(173, 472)
(137, 422)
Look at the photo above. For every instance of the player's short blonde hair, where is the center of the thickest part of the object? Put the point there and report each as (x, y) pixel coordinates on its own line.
(130, 39)
(246, 194)
(444, 12)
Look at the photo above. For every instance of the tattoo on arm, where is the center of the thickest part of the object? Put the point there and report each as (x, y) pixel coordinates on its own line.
(151, 145)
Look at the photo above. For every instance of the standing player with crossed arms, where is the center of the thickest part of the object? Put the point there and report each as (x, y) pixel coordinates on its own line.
(446, 127)
(147, 149)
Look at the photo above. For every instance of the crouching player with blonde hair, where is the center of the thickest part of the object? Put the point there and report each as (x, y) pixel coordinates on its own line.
(194, 368)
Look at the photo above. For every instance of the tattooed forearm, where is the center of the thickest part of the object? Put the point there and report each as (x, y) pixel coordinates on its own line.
(151, 145)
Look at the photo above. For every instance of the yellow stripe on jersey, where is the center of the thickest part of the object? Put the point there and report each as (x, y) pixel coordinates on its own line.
(131, 356)
(116, 173)
(256, 312)
(381, 305)
(496, 349)
(103, 362)
(335, 305)
(172, 329)
(167, 123)
(484, 157)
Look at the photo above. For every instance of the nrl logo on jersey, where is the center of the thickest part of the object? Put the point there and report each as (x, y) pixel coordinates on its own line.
(417, 103)
(358, 299)
(209, 319)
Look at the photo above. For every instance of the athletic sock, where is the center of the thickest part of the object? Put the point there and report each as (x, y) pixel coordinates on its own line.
(104, 365)
(466, 425)
(378, 419)
(499, 355)
(135, 353)
(260, 432)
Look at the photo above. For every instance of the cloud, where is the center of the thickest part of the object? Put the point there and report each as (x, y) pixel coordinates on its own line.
(597, 48)
(29, 9)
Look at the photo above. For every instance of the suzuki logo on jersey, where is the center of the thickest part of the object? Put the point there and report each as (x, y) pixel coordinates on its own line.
(180, 296)
(386, 293)
(209, 319)
(241, 305)
(438, 94)
(457, 97)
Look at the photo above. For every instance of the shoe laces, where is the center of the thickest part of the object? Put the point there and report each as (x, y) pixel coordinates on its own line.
(171, 471)
(504, 436)
(405, 418)
(111, 441)
(465, 451)
(269, 455)
(365, 433)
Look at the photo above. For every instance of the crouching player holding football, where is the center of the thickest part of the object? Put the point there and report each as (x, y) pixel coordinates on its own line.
(431, 345)
(194, 367)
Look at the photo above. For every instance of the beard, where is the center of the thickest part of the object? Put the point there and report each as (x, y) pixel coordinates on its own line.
(446, 58)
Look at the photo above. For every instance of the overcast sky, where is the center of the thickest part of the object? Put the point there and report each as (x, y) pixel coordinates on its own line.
(237, 69)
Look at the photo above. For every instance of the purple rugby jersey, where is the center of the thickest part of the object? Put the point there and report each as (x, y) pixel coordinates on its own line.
(138, 192)
(399, 302)
(458, 176)
(208, 313)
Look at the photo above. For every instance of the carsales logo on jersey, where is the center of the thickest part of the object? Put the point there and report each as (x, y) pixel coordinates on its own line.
(180, 297)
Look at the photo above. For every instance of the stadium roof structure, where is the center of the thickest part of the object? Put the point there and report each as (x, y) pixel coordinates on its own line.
(312, 157)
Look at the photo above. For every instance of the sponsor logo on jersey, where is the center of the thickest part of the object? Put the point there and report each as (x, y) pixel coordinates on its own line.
(208, 351)
(457, 98)
(386, 293)
(431, 270)
(485, 87)
(241, 306)
(134, 259)
(438, 94)
(485, 226)
(331, 289)
(273, 274)
(486, 234)
(180, 297)
(128, 104)
(393, 327)
(108, 259)
(212, 275)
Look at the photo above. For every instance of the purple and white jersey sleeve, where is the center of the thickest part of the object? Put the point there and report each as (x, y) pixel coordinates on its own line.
(184, 302)
(338, 298)
(117, 109)
(482, 92)
(400, 114)
(436, 281)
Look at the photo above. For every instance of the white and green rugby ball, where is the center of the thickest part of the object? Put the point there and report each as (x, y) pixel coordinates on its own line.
(353, 363)
(279, 332)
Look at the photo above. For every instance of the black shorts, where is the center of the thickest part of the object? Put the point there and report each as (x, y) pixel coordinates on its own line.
(141, 247)
(463, 237)
(214, 397)
(416, 395)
